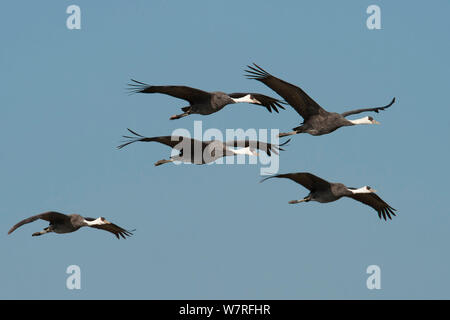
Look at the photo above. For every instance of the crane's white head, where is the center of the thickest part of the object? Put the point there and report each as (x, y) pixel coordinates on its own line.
(365, 120)
(254, 100)
(247, 99)
(103, 220)
(365, 189)
(97, 222)
(248, 151)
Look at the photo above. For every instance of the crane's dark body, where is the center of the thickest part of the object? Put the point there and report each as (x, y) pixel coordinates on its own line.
(215, 102)
(317, 121)
(323, 123)
(334, 192)
(72, 223)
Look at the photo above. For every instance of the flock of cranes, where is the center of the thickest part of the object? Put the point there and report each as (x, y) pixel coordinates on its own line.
(316, 121)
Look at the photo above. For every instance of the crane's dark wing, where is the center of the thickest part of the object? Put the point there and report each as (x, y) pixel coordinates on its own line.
(377, 109)
(50, 216)
(296, 97)
(371, 199)
(175, 142)
(181, 92)
(268, 148)
(266, 101)
(306, 179)
(111, 227)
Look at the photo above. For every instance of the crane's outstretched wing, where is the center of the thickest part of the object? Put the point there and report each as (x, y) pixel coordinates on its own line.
(266, 101)
(111, 227)
(47, 216)
(175, 142)
(268, 148)
(306, 179)
(181, 92)
(373, 200)
(296, 97)
(377, 109)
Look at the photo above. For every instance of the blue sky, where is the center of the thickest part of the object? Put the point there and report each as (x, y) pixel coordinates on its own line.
(214, 232)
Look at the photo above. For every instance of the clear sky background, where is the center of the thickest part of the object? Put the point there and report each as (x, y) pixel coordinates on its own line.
(214, 232)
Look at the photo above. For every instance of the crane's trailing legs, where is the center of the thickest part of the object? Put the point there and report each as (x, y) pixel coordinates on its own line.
(299, 129)
(285, 134)
(178, 116)
(40, 233)
(163, 161)
(305, 199)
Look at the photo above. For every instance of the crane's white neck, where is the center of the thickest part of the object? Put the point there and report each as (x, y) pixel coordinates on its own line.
(364, 189)
(246, 151)
(247, 99)
(365, 120)
(96, 222)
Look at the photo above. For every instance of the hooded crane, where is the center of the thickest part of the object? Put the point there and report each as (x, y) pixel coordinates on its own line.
(63, 223)
(202, 152)
(323, 191)
(204, 103)
(317, 121)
